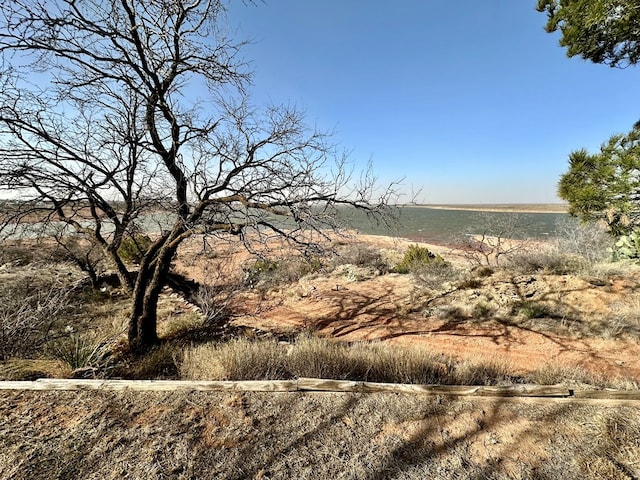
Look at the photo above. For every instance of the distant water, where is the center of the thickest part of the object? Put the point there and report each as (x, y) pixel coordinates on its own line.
(415, 223)
(449, 226)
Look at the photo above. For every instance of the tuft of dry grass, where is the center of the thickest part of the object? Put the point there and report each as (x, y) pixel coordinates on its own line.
(32, 369)
(310, 356)
(578, 378)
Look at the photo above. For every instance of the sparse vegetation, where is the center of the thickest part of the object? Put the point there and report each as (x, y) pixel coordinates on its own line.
(547, 260)
(481, 310)
(492, 240)
(361, 255)
(82, 351)
(210, 435)
(490, 301)
(108, 167)
(265, 273)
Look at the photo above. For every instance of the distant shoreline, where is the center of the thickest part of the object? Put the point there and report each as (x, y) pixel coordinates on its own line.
(512, 207)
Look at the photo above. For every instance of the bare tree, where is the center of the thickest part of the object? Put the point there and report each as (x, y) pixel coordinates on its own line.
(112, 109)
(495, 237)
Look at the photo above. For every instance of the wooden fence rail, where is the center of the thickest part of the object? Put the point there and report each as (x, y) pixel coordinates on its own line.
(542, 392)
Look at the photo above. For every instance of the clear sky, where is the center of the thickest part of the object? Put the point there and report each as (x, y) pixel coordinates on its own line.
(470, 101)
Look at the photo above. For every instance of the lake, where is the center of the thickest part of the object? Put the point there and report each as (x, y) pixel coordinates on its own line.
(448, 226)
(415, 223)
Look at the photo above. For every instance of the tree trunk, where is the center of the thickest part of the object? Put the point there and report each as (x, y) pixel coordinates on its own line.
(143, 321)
(121, 270)
(152, 276)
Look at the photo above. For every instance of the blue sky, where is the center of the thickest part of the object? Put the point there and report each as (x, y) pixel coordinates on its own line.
(470, 101)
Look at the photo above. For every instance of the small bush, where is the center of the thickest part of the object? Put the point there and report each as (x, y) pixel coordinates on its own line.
(481, 310)
(28, 320)
(17, 253)
(161, 362)
(436, 274)
(214, 302)
(80, 351)
(530, 310)
(550, 261)
(361, 255)
(134, 247)
(416, 258)
(469, 283)
(262, 271)
(482, 271)
(265, 273)
(588, 241)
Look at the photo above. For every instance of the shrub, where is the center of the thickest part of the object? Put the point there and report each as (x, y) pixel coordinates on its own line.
(134, 247)
(417, 257)
(435, 274)
(161, 362)
(482, 271)
(214, 303)
(266, 273)
(469, 283)
(80, 351)
(260, 271)
(28, 320)
(588, 241)
(85, 254)
(549, 260)
(17, 253)
(530, 310)
(361, 255)
(481, 310)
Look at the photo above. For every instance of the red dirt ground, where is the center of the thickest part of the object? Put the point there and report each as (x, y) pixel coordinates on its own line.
(596, 327)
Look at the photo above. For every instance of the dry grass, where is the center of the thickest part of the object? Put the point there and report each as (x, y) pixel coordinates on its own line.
(579, 378)
(144, 435)
(32, 369)
(314, 357)
(309, 356)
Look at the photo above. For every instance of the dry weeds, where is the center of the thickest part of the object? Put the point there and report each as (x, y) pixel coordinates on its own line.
(101, 435)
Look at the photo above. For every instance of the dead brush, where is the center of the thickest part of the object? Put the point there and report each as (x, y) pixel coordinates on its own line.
(29, 320)
(359, 254)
